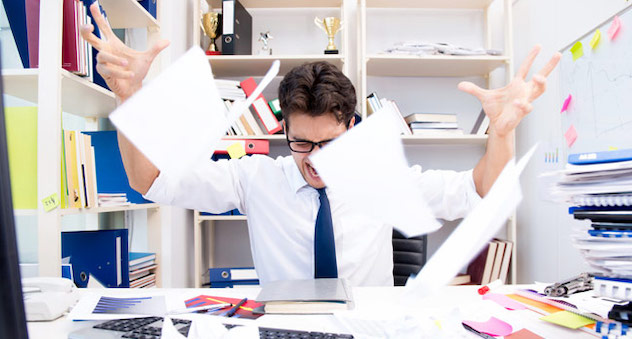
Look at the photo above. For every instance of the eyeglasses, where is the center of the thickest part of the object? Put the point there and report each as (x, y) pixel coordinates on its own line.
(305, 146)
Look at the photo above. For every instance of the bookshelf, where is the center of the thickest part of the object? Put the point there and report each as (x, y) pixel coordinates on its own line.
(377, 70)
(55, 90)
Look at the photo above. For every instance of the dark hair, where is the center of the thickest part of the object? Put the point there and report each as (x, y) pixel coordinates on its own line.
(317, 88)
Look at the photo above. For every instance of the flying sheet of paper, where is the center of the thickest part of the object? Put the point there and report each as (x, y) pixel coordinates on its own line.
(366, 166)
(469, 238)
(177, 119)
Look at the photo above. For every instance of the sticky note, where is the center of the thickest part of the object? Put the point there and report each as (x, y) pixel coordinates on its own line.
(567, 102)
(50, 202)
(568, 319)
(571, 136)
(595, 39)
(236, 150)
(504, 301)
(615, 27)
(523, 334)
(610, 148)
(493, 326)
(577, 50)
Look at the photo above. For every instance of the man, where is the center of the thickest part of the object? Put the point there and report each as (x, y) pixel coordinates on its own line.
(298, 228)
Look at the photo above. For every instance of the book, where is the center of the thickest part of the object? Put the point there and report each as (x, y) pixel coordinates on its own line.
(481, 125)
(498, 259)
(461, 279)
(397, 115)
(433, 125)
(373, 103)
(480, 269)
(429, 132)
(309, 296)
(136, 258)
(504, 266)
(270, 122)
(430, 117)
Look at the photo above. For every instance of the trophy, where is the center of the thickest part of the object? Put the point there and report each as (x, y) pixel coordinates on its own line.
(210, 25)
(264, 37)
(331, 26)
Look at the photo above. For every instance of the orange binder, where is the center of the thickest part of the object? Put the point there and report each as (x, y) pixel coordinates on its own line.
(252, 146)
(270, 122)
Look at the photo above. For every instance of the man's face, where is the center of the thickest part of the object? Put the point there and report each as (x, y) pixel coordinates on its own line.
(315, 129)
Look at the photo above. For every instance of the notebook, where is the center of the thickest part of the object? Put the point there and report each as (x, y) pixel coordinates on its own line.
(310, 296)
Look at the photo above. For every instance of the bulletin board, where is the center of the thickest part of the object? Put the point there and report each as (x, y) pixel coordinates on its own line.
(597, 77)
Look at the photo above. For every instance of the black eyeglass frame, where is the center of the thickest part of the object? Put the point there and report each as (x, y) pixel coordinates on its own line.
(313, 144)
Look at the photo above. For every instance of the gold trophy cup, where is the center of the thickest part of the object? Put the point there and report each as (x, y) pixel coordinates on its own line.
(331, 26)
(210, 25)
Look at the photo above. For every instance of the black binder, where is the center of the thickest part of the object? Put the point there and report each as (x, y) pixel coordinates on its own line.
(236, 29)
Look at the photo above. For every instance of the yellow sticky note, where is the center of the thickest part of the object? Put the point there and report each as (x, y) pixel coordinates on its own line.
(236, 150)
(577, 50)
(595, 39)
(610, 148)
(568, 319)
(50, 202)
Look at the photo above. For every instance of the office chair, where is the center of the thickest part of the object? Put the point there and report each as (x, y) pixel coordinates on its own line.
(409, 256)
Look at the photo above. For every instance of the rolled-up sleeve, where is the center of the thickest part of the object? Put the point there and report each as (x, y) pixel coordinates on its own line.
(449, 194)
(215, 187)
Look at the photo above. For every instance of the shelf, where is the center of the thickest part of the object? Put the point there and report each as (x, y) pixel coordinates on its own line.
(128, 14)
(432, 65)
(222, 217)
(79, 96)
(281, 3)
(258, 65)
(443, 4)
(68, 211)
(457, 139)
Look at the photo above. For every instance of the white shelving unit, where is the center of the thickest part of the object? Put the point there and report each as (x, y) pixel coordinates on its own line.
(54, 90)
(373, 64)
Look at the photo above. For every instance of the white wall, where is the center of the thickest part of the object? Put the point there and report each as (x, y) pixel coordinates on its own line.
(544, 249)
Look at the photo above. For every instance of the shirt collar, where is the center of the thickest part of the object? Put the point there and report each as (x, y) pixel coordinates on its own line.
(293, 175)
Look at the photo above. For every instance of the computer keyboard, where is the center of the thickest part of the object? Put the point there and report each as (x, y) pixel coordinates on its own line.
(151, 327)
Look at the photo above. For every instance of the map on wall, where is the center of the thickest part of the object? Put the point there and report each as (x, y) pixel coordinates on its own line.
(596, 88)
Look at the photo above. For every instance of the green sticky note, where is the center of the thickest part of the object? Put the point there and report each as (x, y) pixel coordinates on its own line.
(577, 50)
(236, 150)
(595, 39)
(568, 319)
(50, 202)
(21, 124)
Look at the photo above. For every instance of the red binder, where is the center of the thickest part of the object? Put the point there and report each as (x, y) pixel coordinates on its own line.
(252, 146)
(270, 123)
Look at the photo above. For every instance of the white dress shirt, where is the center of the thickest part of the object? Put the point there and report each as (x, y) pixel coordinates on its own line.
(282, 208)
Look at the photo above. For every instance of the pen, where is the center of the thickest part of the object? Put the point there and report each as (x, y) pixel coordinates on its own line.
(233, 310)
(201, 308)
(480, 334)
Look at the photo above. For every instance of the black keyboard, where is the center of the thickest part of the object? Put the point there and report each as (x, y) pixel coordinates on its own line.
(151, 327)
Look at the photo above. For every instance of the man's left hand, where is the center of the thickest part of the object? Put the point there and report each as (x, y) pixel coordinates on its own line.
(506, 106)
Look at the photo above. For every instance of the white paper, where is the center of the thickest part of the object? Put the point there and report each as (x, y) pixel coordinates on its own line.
(367, 168)
(472, 234)
(177, 119)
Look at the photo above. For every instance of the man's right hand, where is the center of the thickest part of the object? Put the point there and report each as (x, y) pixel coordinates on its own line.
(122, 67)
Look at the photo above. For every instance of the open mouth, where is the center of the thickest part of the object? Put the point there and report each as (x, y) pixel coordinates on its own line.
(312, 171)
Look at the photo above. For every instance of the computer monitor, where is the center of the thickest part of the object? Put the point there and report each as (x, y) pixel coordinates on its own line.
(12, 318)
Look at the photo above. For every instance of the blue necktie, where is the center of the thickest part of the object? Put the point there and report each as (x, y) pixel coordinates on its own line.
(324, 245)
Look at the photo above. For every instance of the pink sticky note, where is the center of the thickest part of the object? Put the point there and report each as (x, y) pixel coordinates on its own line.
(614, 27)
(567, 102)
(504, 301)
(493, 326)
(571, 136)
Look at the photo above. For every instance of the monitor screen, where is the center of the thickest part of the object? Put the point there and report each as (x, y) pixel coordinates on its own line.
(12, 318)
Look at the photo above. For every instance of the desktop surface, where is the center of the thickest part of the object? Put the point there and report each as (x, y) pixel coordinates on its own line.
(367, 299)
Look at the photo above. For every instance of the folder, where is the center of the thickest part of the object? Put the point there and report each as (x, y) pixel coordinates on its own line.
(269, 121)
(236, 29)
(16, 13)
(102, 255)
(231, 276)
(600, 157)
(251, 146)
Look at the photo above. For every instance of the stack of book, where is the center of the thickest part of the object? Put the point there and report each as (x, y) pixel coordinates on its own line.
(599, 186)
(93, 173)
(374, 104)
(433, 124)
(265, 118)
(491, 263)
(142, 270)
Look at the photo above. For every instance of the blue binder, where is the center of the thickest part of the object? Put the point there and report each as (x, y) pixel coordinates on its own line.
(111, 176)
(149, 5)
(230, 276)
(103, 254)
(96, 77)
(600, 157)
(16, 13)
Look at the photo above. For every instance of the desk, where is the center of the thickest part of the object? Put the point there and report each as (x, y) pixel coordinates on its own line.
(366, 299)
